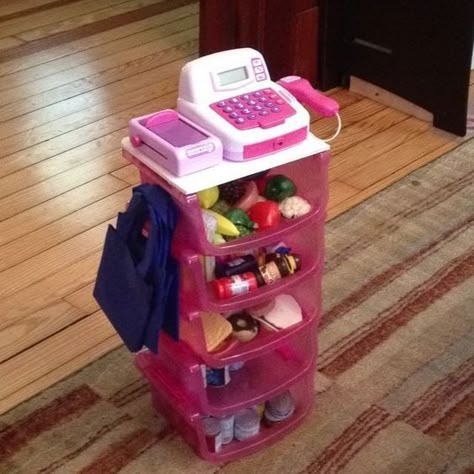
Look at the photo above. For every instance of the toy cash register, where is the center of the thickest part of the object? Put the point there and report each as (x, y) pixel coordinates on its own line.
(230, 94)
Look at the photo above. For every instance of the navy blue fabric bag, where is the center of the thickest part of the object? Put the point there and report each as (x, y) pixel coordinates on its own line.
(137, 283)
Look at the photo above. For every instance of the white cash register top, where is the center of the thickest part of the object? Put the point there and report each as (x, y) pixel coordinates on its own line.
(229, 170)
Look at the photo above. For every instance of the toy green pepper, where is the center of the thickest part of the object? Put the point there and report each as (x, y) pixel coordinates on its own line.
(279, 187)
(241, 220)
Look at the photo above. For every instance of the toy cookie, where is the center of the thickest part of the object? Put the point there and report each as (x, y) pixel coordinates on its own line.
(244, 327)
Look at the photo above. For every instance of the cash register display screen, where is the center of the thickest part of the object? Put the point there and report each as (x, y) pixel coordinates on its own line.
(232, 75)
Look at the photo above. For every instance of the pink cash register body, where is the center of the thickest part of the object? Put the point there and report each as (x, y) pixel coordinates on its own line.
(230, 94)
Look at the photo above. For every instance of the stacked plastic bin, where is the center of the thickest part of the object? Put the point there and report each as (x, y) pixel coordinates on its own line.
(275, 363)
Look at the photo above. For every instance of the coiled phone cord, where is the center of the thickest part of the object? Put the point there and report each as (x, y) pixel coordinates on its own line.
(338, 131)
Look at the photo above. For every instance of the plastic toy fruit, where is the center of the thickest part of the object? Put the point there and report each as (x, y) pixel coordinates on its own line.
(232, 191)
(249, 198)
(279, 187)
(266, 214)
(224, 226)
(208, 197)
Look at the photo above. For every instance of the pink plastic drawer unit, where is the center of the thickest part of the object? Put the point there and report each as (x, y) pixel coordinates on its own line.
(196, 293)
(256, 381)
(310, 176)
(308, 296)
(175, 406)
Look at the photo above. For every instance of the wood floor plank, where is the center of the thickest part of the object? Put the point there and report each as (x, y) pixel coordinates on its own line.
(161, 30)
(83, 299)
(9, 42)
(13, 142)
(65, 228)
(384, 165)
(93, 41)
(12, 7)
(360, 121)
(51, 261)
(57, 208)
(44, 124)
(68, 141)
(59, 372)
(49, 104)
(129, 174)
(55, 352)
(35, 20)
(59, 184)
(380, 144)
(37, 327)
(84, 19)
(50, 167)
(367, 127)
(115, 60)
(46, 292)
(339, 192)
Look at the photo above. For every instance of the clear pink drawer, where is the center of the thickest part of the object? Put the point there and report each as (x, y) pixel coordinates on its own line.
(172, 403)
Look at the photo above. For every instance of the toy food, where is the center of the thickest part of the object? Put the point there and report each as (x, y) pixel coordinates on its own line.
(294, 206)
(249, 198)
(279, 187)
(266, 214)
(244, 327)
(210, 225)
(208, 197)
(221, 207)
(224, 226)
(232, 191)
(241, 221)
(216, 329)
(286, 312)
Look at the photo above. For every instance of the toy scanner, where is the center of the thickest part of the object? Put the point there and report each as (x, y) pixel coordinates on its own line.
(174, 142)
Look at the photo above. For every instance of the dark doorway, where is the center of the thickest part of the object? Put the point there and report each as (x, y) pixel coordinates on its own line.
(418, 50)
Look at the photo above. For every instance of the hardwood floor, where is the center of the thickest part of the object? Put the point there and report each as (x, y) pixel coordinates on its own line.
(72, 73)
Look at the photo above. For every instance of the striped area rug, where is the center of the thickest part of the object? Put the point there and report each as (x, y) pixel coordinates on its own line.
(394, 391)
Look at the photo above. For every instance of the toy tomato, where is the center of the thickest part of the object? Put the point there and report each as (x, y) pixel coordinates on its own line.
(266, 214)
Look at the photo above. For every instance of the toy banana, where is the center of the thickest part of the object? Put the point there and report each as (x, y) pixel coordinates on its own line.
(224, 226)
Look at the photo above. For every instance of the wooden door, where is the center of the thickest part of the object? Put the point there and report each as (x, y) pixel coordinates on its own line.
(285, 32)
(418, 50)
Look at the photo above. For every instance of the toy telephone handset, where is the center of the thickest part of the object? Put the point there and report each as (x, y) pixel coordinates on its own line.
(230, 94)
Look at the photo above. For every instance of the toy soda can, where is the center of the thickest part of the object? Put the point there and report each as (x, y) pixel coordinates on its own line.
(227, 428)
(234, 285)
(246, 424)
(213, 433)
(279, 408)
